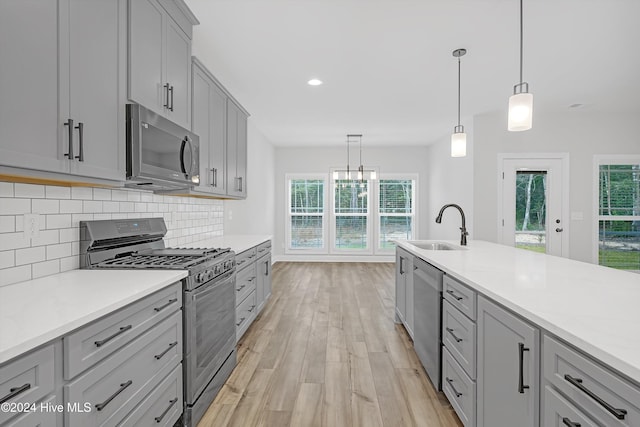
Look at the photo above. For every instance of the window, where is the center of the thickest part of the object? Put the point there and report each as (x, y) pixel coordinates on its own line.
(619, 213)
(306, 222)
(396, 211)
(351, 215)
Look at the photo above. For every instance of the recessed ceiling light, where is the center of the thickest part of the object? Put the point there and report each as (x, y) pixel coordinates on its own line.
(314, 82)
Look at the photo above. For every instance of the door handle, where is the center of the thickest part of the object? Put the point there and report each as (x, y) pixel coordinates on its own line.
(171, 91)
(521, 385)
(166, 92)
(70, 153)
(80, 128)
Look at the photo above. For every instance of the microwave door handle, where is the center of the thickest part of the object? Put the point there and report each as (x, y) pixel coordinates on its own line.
(191, 149)
(182, 168)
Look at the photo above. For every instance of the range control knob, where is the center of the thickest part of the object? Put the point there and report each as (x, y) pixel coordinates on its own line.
(200, 277)
(210, 274)
(217, 269)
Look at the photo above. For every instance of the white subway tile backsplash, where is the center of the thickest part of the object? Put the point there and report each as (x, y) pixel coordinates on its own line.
(57, 246)
(45, 206)
(101, 194)
(81, 193)
(6, 189)
(15, 274)
(15, 206)
(30, 255)
(58, 251)
(7, 224)
(46, 268)
(55, 192)
(7, 259)
(58, 221)
(30, 191)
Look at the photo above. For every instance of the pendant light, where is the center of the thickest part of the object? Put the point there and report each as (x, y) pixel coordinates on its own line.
(521, 102)
(362, 174)
(459, 138)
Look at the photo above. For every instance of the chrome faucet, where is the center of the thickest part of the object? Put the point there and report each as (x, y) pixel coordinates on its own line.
(463, 229)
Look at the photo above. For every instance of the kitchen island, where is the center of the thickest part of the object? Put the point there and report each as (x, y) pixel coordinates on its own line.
(563, 305)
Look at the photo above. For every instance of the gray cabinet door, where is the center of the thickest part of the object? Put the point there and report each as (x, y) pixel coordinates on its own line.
(408, 294)
(263, 289)
(508, 369)
(233, 182)
(93, 50)
(30, 130)
(146, 24)
(178, 74)
(218, 141)
(241, 153)
(401, 271)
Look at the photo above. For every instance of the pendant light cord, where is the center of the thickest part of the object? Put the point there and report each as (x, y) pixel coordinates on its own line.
(458, 91)
(521, 44)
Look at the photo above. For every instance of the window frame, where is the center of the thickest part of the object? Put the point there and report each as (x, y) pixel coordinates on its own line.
(288, 215)
(600, 160)
(333, 216)
(378, 216)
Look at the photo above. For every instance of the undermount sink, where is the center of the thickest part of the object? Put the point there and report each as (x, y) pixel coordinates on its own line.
(434, 246)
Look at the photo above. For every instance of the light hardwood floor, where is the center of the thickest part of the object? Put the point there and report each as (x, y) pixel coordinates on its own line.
(326, 352)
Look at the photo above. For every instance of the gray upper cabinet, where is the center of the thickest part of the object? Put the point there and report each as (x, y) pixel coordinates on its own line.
(508, 368)
(236, 150)
(160, 57)
(62, 108)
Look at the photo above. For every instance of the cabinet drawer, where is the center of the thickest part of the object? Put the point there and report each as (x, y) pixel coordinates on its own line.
(462, 297)
(27, 379)
(162, 407)
(459, 389)
(558, 412)
(602, 394)
(118, 384)
(245, 283)
(264, 248)
(39, 418)
(244, 259)
(87, 346)
(245, 313)
(459, 336)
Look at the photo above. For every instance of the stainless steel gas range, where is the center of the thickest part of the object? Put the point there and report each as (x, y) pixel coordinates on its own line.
(208, 294)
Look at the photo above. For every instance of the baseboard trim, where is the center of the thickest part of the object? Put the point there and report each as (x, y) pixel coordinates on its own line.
(333, 258)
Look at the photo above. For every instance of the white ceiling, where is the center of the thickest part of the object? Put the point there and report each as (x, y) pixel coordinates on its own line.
(388, 70)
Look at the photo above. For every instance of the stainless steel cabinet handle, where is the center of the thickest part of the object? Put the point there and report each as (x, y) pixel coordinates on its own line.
(240, 288)
(453, 335)
(14, 391)
(457, 393)
(106, 340)
(166, 91)
(266, 268)
(577, 382)
(171, 403)
(559, 230)
(240, 189)
(521, 385)
(240, 322)
(80, 128)
(161, 355)
(171, 91)
(70, 124)
(123, 386)
(566, 421)
(251, 309)
(213, 177)
(401, 266)
(450, 292)
(162, 307)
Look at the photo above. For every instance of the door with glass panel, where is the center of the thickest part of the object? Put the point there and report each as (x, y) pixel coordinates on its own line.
(532, 205)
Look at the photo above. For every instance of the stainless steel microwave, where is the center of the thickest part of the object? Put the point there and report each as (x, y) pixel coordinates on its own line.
(160, 154)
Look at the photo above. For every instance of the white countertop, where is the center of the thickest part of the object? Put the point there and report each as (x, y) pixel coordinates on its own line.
(37, 311)
(595, 308)
(237, 242)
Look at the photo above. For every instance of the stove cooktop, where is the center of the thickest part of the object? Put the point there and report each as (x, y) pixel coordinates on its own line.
(168, 258)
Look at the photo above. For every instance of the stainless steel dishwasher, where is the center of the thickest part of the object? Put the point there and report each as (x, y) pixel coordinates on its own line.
(427, 308)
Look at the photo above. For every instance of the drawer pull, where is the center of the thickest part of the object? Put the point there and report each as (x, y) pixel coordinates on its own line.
(123, 386)
(106, 340)
(577, 382)
(566, 421)
(251, 309)
(456, 392)
(450, 292)
(13, 392)
(161, 355)
(454, 335)
(240, 288)
(171, 403)
(261, 250)
(240, 322)
(162, 307)
(521, 385)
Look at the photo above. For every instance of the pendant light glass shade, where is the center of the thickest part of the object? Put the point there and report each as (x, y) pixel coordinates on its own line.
(520, 112)
(458, 144)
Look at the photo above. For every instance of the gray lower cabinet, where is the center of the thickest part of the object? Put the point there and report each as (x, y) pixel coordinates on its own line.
(404, 290)
(263, 273)
(508, 385)
(62, 85)
(253, 284)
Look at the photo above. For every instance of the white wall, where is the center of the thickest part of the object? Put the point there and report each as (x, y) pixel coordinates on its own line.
(580, 133)
(255, 214)
(450, 181)
(321, 160)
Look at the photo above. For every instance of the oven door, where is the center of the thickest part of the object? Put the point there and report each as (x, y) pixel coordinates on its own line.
(209, 332)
